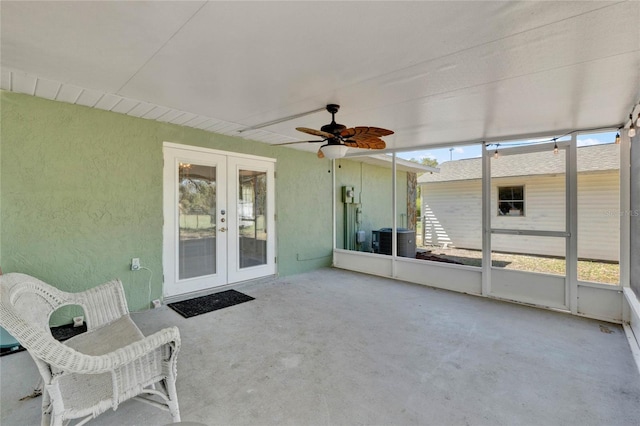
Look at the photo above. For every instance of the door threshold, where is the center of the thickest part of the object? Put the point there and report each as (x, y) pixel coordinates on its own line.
(208, 291)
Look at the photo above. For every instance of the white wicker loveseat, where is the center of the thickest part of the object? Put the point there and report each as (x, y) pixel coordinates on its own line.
(96, 370)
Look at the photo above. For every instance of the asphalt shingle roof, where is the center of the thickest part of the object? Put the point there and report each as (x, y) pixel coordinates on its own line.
(590, 158)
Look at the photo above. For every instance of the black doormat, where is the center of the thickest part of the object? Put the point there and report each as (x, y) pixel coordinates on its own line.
(60, 333)
(212, 302)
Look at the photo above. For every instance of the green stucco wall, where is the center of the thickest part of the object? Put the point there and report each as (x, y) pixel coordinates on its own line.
(81, 194)
(373, 190)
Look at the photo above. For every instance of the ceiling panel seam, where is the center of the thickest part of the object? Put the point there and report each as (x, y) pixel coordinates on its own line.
(501, 80)
(161, 47)
(471, 48)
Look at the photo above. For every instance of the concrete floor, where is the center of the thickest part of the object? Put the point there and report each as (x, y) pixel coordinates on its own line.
(335, 347)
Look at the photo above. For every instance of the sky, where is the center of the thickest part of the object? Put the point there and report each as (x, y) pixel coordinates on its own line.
(474, 151)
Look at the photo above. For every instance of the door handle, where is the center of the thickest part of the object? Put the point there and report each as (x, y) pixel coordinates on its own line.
(222, 229)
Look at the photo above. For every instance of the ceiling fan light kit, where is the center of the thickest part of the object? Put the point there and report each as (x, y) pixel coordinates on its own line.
(334, 151)
(338, 138)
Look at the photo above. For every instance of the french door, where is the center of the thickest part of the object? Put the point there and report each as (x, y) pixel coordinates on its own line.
(219, 225)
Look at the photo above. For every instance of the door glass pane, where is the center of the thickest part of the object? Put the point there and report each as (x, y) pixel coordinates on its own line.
(252, 214)
(197, 219)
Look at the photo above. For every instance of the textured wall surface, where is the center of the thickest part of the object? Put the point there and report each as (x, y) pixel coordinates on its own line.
(81, 194)
(373, 190)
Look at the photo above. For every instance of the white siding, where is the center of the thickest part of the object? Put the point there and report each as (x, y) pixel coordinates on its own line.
(452, 213)
(544, 208)
(453, 210)
(544, 204)
(598, 216)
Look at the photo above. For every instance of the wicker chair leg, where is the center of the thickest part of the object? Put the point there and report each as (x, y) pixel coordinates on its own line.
(174, 409)
(56, 420)
(47, 419)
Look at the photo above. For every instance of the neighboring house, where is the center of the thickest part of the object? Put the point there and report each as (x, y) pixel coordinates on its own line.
(527, 192)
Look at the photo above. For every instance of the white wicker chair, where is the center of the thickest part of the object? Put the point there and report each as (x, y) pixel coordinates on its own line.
(93, 371)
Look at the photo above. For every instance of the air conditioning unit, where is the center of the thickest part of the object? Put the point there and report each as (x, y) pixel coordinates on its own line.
(381, 242)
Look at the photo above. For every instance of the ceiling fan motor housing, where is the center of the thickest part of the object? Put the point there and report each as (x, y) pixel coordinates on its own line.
(333, 127)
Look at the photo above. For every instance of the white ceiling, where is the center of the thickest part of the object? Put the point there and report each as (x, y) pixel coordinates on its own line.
(434, 72)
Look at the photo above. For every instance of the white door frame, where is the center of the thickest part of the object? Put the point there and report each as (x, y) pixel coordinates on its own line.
(569, 234)
(227, 164)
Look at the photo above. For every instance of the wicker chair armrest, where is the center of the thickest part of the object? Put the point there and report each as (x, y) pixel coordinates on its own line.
(43, 346)
(78, 362)
(127, 354)
(102, 304)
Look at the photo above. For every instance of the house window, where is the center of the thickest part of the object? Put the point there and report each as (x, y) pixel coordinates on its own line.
(511, 201)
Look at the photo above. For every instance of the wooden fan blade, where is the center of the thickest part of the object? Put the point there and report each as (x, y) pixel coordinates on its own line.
(296, 142)
(315, 132)
(362, 132)
(371, 143)
(320, 153)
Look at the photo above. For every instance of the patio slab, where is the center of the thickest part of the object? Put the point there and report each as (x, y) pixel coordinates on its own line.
(337, 347)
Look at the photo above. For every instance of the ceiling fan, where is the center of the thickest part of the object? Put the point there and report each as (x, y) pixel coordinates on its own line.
(339, 138)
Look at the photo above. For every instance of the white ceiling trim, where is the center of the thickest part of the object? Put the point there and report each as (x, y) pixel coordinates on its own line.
(383, 160)
(21, 82)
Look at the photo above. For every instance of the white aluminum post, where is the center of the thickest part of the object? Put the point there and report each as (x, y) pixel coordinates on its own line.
(625, 209)
(571, 221)
(486, 221)
(394, 228)
(333, 204)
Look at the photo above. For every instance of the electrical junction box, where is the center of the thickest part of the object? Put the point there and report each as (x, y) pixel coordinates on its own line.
(135, 264)
(347, 194)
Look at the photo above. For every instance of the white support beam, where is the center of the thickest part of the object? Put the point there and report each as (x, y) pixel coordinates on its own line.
(571, 214)
(333, 207)
(486, 221)
(394, 230)
(532, 232)
(625, 209)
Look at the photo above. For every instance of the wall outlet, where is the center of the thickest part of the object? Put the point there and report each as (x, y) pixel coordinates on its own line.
(135, 264)
(156, 303)
(78, 321)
